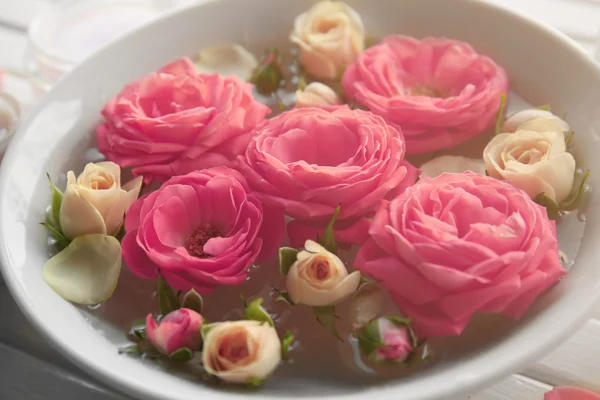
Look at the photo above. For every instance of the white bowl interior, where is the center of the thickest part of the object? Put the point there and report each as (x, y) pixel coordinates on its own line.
(543, 66)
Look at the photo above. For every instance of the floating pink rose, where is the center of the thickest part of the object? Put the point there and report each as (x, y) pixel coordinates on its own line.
(200, 230)
(309, 160)
(178, 329)
(176, 120)
(458, 244)
(570, 393)
(440, 91)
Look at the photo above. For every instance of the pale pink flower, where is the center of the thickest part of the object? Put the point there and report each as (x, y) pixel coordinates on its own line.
(178, 329)
(397, 341)
(309, 160)
(176, 120)
(570, 393)
(200, 230)
(458, 244)
(440, 91)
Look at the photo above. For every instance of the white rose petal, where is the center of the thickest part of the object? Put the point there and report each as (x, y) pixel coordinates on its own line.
(536, 162)
(87, 271)
(262, 345)
(316, 94)
(451, 164)
(227, 60)
(330, 36)
(514, 122)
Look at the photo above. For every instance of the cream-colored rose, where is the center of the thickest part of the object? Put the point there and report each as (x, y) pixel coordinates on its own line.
(536, 162)
(95, 202)
(330, 36)
(516, 121)
(319, 278)
(240, 351)
(452, 165)
(317, 94)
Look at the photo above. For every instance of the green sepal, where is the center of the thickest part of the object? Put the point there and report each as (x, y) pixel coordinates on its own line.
(57, 198)
(364, 281)
(421, 353)
(328, 238)
(193, 301)
(326, 317)
(182, 355)
(285, 297)
(545, 107)
(138, 330)
(287, 258)
(255, 382)
(574, 198)
(131, 349)
(551, 206)
(286, 345)
(59, 237)
(167, 299)
(302, 83)
(254, 311)
(207, 328)
(569, 139)
(369, 339)
(500, 117)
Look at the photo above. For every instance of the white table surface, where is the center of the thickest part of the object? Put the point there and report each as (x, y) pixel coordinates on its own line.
(30, 370)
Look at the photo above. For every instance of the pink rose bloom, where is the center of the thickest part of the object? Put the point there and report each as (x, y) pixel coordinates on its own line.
(309, 160)
(176, 120)
(458, 244)
(570, 393)
(440, 91)
(200, 230)
(178, 329)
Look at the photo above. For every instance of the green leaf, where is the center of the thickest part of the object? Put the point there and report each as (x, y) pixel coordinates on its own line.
(328, 238)
(167, 300)
(369, 338)
(287, 258)
(545, 107)
(193, 301)
(569, 139)
(326, 317)
(574, 198)
(255, 382)
(286, 344)
(254, 311)
(398, 321)
(132, 349)
(500, 117)
(57, 197)
(551, 207)
(59, 237)
(285, 297)
(182, 355)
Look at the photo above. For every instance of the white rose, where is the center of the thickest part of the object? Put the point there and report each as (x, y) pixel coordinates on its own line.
(239, 351)
(94, 202)
(536, 162)
(451, 164)
(319, 278)
(316, 94)
(515, 122)
(330, 36)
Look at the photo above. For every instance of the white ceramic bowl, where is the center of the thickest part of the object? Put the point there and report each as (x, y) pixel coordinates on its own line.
(544, 66)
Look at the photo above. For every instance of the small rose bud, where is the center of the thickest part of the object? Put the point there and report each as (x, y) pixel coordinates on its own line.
(319, 278)
(268, 75)
(245, 352)
(316, 94)
(177, 330)
(387, 339)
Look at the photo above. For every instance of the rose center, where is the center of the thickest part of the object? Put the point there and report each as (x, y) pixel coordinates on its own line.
(196, 241)
(426, 91)
(101, 182)
(320, 270)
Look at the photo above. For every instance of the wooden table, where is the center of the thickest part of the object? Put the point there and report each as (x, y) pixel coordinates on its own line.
(31, 370)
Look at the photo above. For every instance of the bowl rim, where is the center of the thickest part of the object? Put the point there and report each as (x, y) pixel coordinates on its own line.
(467, 383)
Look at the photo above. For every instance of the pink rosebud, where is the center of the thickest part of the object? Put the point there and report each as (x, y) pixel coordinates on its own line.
(570, 393)
(440, 91)
(387, 339)
(178, 329)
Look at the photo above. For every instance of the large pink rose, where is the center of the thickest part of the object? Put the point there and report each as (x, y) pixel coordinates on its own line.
(176, 120)
(461, 243)
(309, 160)
(570, 393)
(440, 91)
(200, 230)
